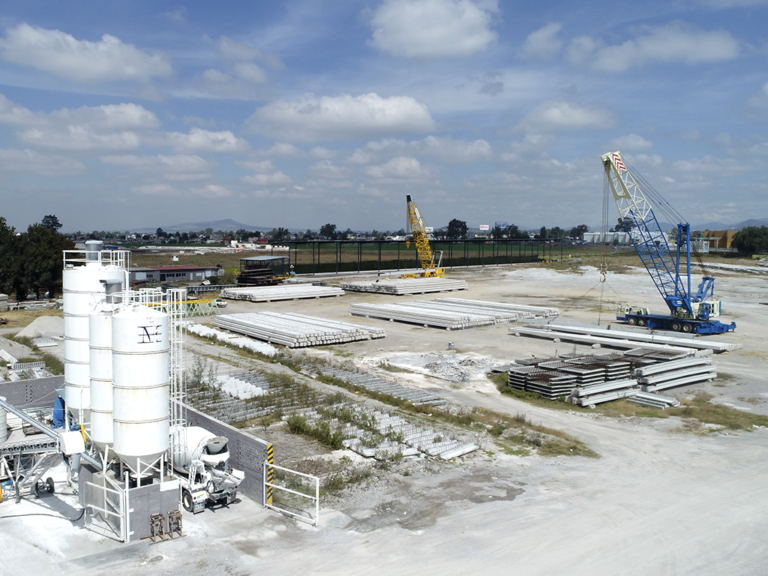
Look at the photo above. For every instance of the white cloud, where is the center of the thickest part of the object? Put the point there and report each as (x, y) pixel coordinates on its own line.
(341, 117)
(33, 162)
(722, 4)
(211, 191)
(178, 167)
(250, 73)
(559, 115)
(433, 28)
(179, 16)
(444, 148)
(79, 139)
(100, 118)
(675, 42)
(327, 170)
(156, 190)
(543, 44)
(199, 140)
(216, 76)
(400, 168)
(631, 143)
(266, 174)
(758, 104)
(110, 127)
(276, 179)
(80, 60)
(497, 181)
(230, 50)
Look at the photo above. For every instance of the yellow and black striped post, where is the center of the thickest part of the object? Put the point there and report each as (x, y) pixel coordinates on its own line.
(270, 471)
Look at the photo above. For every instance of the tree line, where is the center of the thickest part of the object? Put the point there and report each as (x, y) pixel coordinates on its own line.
(31, 261)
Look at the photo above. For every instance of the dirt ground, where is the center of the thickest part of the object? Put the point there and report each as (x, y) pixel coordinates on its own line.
(657, 501)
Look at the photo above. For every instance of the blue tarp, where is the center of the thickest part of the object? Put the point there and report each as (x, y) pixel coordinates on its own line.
(58, 413)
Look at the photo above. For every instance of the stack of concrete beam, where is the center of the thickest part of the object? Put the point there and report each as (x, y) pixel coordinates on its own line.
(425, 316)
(296, 330)
(675, 373)
(415, 396)
(654, 356)
(654, 400)
(648, 339)
(595, 341)
(607, 391)
(585, 375)
(283, 292)
(501, 308)
(405, 286)
(239, 341)
(547, 383)
(733, 267)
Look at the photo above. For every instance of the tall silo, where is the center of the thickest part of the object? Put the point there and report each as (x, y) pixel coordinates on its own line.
(100, 335)
(84, 287)
(141, 385)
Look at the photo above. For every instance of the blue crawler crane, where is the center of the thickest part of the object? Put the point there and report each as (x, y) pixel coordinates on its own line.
(689, 312)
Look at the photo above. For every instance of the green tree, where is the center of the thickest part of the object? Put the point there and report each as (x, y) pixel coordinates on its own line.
(752, 239)
(497, 232)
(51, 222)
(328, 231)
(42, 259)
(278, 234)
(457, 229)
(8, 260)
(578, 231)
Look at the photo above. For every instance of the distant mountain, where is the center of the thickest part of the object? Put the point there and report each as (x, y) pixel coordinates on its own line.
(225, 225)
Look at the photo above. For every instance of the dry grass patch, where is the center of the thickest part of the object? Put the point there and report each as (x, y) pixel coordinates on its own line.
(22, 318)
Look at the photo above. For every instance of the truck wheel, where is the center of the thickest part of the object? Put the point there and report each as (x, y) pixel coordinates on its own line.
(631, 320)
(641, 321)
(676, 326)
(186, 501)
(687, 328)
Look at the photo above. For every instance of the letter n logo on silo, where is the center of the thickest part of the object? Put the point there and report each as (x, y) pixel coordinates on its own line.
(149, 334)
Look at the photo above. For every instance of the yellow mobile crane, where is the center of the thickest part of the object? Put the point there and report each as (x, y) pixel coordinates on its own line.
(426, 257)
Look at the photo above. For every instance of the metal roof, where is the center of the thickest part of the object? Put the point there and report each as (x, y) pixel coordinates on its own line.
(264, 258)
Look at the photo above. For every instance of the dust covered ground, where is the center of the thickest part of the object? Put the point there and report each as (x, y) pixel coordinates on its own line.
(659, 500)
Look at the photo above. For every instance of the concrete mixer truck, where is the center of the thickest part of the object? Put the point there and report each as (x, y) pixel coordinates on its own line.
(202, 461)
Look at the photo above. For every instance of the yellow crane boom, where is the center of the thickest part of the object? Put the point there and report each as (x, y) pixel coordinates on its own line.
(418, 230)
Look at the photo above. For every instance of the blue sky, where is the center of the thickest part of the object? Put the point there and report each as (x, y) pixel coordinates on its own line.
(123, 115)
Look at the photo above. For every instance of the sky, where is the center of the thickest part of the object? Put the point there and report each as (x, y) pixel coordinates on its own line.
(115, 116)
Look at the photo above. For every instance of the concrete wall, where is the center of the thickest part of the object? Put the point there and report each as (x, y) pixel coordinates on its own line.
(247, 453)
(32, 393)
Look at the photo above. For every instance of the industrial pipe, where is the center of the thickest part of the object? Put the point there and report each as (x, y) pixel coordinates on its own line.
(45, 430)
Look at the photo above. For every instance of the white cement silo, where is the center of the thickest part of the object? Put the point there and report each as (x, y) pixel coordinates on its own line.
(83, 290)
(100, 336)
(141, 385)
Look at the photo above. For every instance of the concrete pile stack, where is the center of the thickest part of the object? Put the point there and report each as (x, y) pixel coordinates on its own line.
(413, 313)
(296, 330)
(623, 338)
(451, 313)
(548, 383)
(598, 393)
(654, 400)
(283, 292)
(406, 286)
(228, 338)
(676, 373)
(501, 308)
